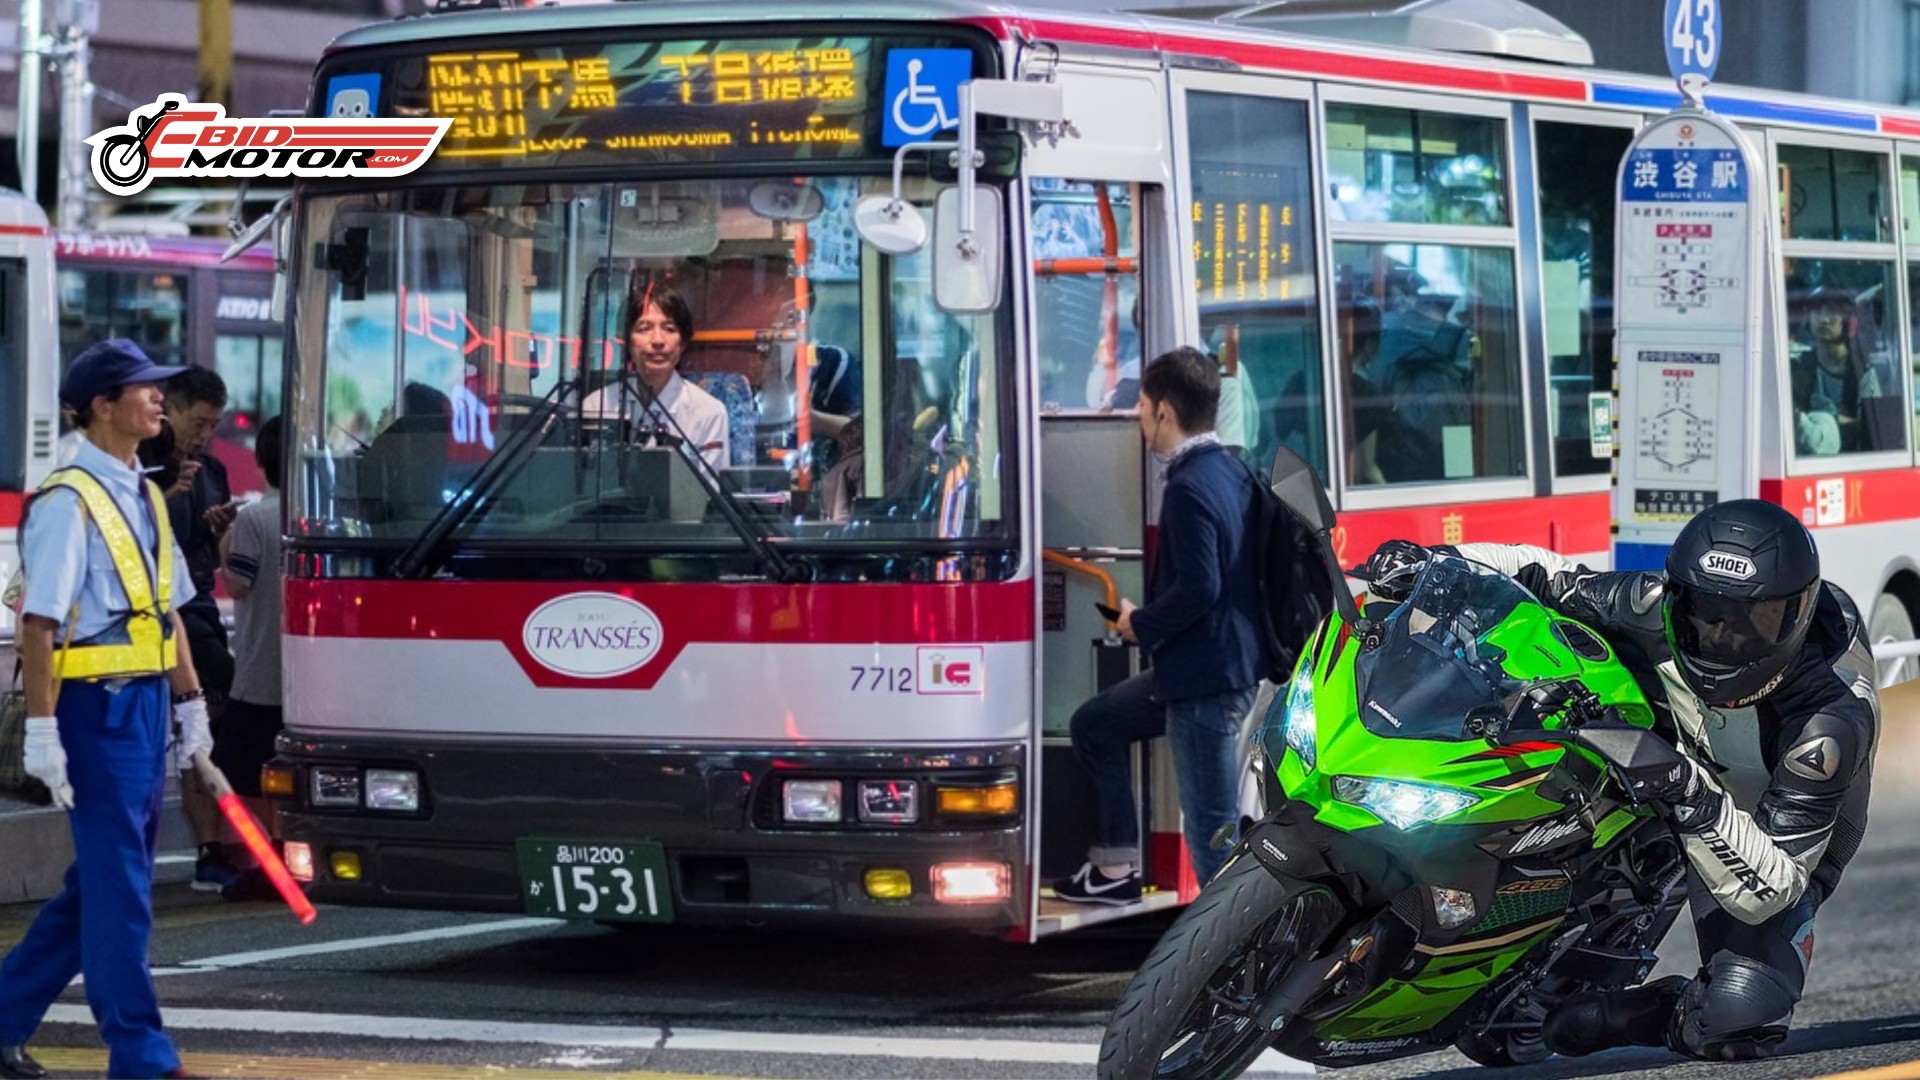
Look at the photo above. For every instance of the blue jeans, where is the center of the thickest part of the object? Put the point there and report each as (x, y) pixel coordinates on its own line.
(1207, 758)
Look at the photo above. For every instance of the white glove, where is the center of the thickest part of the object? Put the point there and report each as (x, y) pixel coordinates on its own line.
(195, 735)
(46, 759)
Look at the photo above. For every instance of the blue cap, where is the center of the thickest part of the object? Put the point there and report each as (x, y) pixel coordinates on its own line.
(102, 367)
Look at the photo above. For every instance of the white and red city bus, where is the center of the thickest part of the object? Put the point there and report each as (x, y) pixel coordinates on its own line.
(174, 296)
(29, 375)
(534, 666)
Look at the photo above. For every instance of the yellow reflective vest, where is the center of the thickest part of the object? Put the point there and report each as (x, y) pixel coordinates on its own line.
(149, 648)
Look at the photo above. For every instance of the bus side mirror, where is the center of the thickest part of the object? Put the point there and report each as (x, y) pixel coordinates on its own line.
(966, 264)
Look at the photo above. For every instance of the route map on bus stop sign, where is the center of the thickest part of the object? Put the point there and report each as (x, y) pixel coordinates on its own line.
(1688, 323)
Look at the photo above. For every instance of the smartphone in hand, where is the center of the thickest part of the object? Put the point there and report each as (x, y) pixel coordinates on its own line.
(1111, 614)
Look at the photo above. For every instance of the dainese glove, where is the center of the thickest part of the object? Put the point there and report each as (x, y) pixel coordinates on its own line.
(46, 759)
(190, 718)
(1691, 796)
(1392, 568)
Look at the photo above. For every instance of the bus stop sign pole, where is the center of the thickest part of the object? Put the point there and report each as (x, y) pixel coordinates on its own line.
(1691, 289)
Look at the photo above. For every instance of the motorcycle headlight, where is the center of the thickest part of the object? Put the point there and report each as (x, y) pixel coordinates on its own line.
(1298, 716)
(1399, 803)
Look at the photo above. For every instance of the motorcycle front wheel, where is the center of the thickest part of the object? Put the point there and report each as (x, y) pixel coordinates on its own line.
(1189, 1012)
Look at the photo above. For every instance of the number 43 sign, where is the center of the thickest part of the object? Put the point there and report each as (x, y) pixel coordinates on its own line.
(1693, 43)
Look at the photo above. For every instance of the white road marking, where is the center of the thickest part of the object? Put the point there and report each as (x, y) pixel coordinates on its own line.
(321, 948)
(268, 1022)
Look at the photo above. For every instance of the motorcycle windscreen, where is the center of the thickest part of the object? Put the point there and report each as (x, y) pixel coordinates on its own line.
(1434, 668)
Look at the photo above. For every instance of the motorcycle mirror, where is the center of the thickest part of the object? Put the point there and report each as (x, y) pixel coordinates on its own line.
(1293, 481)
(1298, 488)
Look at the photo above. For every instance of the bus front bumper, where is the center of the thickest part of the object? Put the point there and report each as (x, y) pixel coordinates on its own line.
(720, 817)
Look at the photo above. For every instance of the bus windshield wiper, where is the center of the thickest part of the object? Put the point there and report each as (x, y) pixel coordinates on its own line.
(771, 559)
(424, 557)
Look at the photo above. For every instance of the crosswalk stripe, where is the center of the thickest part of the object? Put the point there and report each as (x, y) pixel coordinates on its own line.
(302, 1068)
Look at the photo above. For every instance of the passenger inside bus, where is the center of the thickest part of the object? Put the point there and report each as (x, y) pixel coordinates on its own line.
(655, 403)
(1421, 370)
(1368, 410)
(1841, 398)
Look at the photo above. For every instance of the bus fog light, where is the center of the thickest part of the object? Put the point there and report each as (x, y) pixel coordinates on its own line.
(393, 789)
(299, 860)
(345, 865)
(894, 801)
(1453, 907)
(999, 800)
(811, 802)
(336, 787)
(971, 883)
(889, 884)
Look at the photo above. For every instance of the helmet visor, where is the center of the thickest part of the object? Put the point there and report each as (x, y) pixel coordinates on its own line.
(1724, 631)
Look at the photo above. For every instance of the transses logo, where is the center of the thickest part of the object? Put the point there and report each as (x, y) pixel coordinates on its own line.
(592, 635)
(173, 137)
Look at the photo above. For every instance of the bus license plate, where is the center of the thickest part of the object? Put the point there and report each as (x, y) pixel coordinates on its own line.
(598, 882)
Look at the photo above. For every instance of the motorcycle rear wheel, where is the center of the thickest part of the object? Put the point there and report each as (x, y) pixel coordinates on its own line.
(1189, 1012)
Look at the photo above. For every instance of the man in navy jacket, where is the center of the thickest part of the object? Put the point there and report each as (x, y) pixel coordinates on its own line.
(1200, 630)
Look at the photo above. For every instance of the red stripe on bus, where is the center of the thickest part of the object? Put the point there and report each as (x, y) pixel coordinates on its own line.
(10, 502)
(869, 614)
(1568, 524)
(1898, 125)
(23, 230)
(1866, 498)
(850, 614)
(1346, 66)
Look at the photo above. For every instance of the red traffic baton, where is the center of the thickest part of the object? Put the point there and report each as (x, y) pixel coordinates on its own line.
(254, 837)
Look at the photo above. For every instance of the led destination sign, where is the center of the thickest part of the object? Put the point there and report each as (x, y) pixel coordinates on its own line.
(604, 103)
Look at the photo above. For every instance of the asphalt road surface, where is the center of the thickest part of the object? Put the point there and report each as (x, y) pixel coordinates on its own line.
(377, 993)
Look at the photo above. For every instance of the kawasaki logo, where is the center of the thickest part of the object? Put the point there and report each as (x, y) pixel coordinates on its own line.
(1727, 565)
(1267, 846)
(1358, 1047)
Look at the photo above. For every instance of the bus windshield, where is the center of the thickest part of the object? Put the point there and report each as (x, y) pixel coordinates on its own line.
(820, 392)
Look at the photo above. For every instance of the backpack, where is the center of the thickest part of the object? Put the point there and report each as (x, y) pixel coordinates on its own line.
(1295, 594)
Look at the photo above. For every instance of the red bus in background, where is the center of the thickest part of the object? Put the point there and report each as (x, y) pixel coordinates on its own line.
(173, 296)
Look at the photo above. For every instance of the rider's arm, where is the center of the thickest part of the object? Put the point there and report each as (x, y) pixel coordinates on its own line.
(1759, 864)
(1527, 564)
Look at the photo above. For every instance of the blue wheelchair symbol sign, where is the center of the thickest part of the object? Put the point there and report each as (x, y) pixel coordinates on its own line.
(1692, 29)
(923, 93)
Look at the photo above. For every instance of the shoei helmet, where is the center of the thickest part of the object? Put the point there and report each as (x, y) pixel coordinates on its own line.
(1742, 581)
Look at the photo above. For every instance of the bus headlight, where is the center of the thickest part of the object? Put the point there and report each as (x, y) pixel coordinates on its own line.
(393, 789)
(811, 802)
(335, 786)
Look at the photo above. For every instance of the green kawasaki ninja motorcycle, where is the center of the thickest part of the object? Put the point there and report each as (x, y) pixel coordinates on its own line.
(1455, 844)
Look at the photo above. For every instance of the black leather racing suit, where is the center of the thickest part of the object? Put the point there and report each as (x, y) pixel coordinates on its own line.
(1788, 784)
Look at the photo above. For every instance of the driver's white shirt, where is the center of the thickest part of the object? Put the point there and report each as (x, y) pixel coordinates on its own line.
(694, 411)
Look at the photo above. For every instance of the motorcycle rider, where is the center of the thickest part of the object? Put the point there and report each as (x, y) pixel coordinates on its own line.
(1761, 674)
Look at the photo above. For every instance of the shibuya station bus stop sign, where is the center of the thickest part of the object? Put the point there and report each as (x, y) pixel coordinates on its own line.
(1692, 293)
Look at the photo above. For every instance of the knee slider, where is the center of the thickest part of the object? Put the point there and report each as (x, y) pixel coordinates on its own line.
(1740, 1010)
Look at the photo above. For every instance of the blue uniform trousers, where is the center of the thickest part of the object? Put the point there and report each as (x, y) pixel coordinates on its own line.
(116, 745)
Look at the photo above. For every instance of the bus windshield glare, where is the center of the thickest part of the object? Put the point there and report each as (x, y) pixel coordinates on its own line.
(821, 393)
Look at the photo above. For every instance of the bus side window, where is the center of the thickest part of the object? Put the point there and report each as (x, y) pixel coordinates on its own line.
(1845, 383)
(1439, 395)
(1256, 275)
(1576, 165)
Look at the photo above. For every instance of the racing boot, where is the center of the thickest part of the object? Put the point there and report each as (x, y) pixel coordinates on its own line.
(1599, 1020)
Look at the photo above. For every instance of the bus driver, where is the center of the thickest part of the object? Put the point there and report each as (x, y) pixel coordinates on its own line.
(662, 404)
